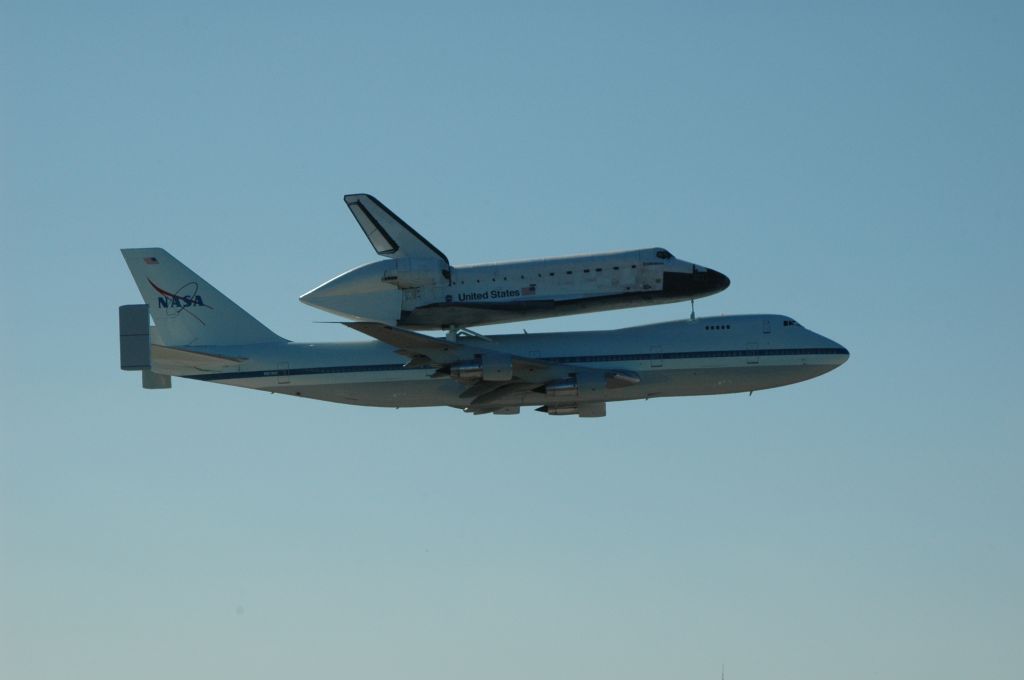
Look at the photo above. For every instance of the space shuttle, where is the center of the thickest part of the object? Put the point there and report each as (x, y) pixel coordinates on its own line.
(416, 287)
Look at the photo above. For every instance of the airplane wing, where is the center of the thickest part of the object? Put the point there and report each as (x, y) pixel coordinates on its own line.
(492, 376)
(425, 350)
(389, 235)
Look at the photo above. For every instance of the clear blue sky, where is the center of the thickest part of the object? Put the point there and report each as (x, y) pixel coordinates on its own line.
(859, 167)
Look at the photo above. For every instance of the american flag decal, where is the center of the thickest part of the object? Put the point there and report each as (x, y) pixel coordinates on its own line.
(530, 290)
(150, 260)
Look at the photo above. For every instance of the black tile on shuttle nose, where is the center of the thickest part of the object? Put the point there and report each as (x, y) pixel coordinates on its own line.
(718, 280)
(696, 283)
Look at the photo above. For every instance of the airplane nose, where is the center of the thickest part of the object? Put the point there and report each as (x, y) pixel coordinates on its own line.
(697, 282)
(838, 355)
(844, 354)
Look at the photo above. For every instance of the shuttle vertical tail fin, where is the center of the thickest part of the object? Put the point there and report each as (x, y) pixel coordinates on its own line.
(388, 233)
(185, 308)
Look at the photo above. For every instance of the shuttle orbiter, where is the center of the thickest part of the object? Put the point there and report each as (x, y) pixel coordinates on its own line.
(416, 287)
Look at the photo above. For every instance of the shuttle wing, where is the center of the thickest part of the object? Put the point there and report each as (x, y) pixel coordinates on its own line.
(389, 235)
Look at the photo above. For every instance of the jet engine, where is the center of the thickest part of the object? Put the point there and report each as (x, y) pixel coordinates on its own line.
(590, 384)
(594, 409)
(487, 367)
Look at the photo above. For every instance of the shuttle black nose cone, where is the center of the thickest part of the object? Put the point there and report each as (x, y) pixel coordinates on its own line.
(717, 281)
(695, 284)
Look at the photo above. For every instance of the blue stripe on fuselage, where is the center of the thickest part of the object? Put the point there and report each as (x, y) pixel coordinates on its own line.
(588, 359)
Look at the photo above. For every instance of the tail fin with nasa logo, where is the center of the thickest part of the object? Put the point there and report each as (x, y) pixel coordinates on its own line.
(186, 309)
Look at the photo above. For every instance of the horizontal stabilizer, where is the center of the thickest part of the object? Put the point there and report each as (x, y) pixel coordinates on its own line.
(155, 381)
(134, 326)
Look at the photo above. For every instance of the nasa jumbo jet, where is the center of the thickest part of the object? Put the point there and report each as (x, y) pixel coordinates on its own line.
(418, 288)
(202, 335)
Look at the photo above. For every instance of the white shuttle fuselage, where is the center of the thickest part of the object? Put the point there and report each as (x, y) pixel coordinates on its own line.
(418, 288)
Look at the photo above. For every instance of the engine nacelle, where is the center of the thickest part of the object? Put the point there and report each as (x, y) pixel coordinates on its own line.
(416, 272)
(593, 409)
(562, 388)
(589, 384)
(487, 367)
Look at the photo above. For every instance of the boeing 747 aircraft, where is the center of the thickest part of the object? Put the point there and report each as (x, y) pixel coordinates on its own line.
(418, 288)
(201, 334)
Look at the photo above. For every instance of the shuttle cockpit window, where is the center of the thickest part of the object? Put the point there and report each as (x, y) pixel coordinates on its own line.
(790, 322)
(664, 255)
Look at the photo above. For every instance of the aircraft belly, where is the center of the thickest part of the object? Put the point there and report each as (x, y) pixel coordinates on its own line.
(404, 394)
(668, 382)
(388, 391)
(696, 381)
(468, 315)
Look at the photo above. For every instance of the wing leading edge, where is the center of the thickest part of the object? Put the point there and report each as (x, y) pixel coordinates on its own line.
(493, 376)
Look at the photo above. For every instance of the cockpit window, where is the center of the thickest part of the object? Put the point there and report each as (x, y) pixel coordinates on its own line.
(790, 322)
(664, 254)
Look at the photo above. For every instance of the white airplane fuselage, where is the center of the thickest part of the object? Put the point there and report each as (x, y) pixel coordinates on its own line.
(703, 356)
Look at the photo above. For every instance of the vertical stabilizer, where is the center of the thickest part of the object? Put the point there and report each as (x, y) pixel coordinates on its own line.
(389, 235)
(185, 308)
